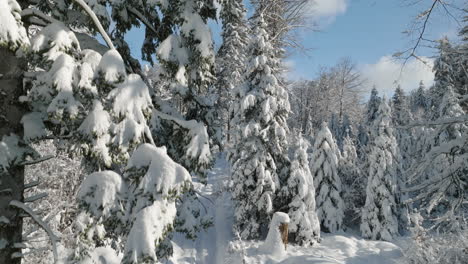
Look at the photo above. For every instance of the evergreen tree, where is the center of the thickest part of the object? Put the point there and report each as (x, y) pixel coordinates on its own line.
(379, 218)
(230, 60)
(13, 151)
(444, 69)
(401, 116)
(104, 111)
(439, 178)
(299, 191)
(184, 115)
(364, 133)
(372, 106)
(353, 182)
(324, 169)
(259, 136)
(419, 100)
(335, 129)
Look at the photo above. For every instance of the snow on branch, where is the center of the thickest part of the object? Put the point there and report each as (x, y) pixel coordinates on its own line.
(53, 238)
(199, 143)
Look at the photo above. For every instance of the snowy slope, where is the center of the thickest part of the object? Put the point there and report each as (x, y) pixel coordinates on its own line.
(215, 246)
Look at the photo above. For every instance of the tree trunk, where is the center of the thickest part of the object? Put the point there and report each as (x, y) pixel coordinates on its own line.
(284, 234)
(12, 181)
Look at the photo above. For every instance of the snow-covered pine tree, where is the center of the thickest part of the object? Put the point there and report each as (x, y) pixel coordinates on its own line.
(13, 150)
(93, 102)
(230, 60)
(299, 191)
(362, 139)
(439, 178)
(354, 182)
(401, 116)
(324, 169)
(418, 100)
(372, 106)
(364, 129)
(335, 129)
(379, 219)
(184, 116)
(444, 71)
(259, 136)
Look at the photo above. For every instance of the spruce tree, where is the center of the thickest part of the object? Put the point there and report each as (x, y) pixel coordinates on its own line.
(418, 100)
(379, 218)
(184, 117)
(230, 60)
(259, 136)
(299, 191)
(444, 71)
(324, 169)
(353, 181)
(372, 106)
(401, 116)
(439, 178)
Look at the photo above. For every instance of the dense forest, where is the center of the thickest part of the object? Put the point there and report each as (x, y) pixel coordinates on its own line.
(193, 153)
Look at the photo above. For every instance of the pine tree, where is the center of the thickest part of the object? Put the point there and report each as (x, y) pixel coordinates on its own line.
(104, 111)
(401, 116)
(324, 169)
(259, 136)
(364, 133)
(372, 106)
(335, 129)
(444, 70)
(299, 191)
(13, 150)
(184, 116)
(230, 60)
(353, 181)
(379, 218)
(439, 178)
(419, 100)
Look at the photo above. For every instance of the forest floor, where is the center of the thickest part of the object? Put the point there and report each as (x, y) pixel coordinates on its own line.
(214, 246)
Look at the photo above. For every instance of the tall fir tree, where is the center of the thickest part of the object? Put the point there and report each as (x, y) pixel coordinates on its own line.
(439, 178)
(372, 106)
(380, 214)
(230, 61)
(418, 100)
(401, 117)
(324, 169)
(103, 111)
(353, 182)
(259, 137)
(299, 191)
(185, 114)
(444, 70)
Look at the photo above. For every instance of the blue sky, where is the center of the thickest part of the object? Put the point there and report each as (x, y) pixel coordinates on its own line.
(367, 31)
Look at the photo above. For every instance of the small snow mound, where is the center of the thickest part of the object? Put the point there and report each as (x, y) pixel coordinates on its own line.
(274, 244)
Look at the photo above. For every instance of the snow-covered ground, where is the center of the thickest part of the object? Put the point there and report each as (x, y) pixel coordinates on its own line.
(214, 246)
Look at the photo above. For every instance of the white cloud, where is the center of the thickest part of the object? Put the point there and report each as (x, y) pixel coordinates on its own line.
(387, 72)
(328, 8)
